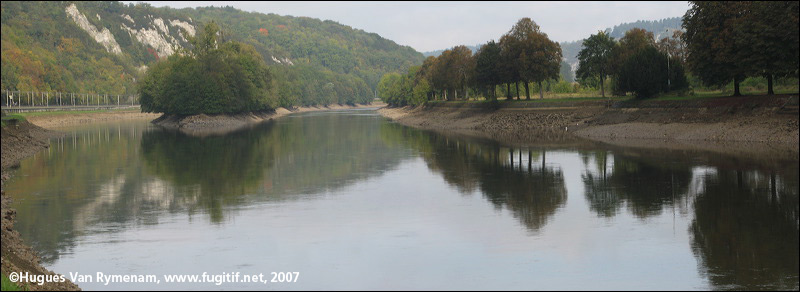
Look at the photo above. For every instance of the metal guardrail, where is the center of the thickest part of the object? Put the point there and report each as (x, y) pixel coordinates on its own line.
(27, 101)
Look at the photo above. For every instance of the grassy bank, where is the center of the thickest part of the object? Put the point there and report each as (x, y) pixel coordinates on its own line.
(10, 286)
(12, 119)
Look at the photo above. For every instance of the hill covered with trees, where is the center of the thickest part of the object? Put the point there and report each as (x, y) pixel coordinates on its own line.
(105, 47)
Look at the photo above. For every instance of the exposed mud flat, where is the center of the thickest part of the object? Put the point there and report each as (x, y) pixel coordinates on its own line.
(55, 121)
(739, 126)
(20, 140)
(204, 125)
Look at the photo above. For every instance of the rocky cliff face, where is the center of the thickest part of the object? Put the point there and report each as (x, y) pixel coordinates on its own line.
(154, 33)
(103, 37)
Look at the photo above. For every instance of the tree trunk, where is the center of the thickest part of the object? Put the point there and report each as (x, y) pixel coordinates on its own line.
(527, 92)
(543, 159)
(517, 92)
(529, 161)
(769, 85)
(736, 86)
(508, 91)
(602, 89)
(541, 93)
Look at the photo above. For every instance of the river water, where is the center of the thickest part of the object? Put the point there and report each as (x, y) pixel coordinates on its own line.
(349, 200)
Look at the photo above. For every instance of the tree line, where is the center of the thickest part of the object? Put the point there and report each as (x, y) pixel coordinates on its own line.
(635, 63)
(523, 55)
(734, 40)
(722, 42)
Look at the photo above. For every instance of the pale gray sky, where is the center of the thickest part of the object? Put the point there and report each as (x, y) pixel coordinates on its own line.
(427, 26)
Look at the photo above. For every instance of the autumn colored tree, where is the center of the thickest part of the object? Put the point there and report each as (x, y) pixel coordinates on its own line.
(530, 55)
(509, 63)
(452, 71)
(673, 46)
(595, 58)
(540, 58)
(462, 67)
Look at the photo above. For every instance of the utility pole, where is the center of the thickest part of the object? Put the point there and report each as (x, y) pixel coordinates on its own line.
(669, 56)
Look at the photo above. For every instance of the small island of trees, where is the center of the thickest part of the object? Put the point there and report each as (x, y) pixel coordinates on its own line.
(214, 77)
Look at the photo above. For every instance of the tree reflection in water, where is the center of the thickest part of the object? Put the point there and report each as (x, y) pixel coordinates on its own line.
(745, 231)
(517, 179)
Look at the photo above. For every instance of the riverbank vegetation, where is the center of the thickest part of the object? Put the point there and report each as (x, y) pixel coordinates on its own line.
(747, 48)
(10, 286)
(11, 119)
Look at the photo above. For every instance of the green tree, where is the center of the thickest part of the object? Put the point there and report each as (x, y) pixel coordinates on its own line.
(389, 89)
(510, 50)
(644, 73)
(769, 42)
(215, 78)
(634, 41)
(595, 58)
(487, 67)
(711, 40)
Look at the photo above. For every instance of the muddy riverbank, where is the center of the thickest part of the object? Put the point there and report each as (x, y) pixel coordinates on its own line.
(716, 124)
(203, 124)
(57, 120)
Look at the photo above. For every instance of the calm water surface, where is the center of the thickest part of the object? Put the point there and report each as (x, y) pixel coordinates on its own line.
(352, 201)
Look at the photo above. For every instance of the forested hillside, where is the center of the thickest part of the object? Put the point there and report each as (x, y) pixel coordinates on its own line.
(104, 47)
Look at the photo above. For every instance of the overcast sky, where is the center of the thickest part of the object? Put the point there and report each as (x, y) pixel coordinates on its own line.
(428, 26)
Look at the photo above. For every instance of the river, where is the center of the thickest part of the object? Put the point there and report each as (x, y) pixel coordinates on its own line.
(348, 200)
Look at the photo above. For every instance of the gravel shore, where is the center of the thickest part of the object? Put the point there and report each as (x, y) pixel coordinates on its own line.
(719, 124)
(20, 140)
(203, 125)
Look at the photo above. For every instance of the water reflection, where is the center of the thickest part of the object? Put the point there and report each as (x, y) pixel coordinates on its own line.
(745, 232)
(645, 184)
(736, 226)
(106, 178)
(519, 180)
